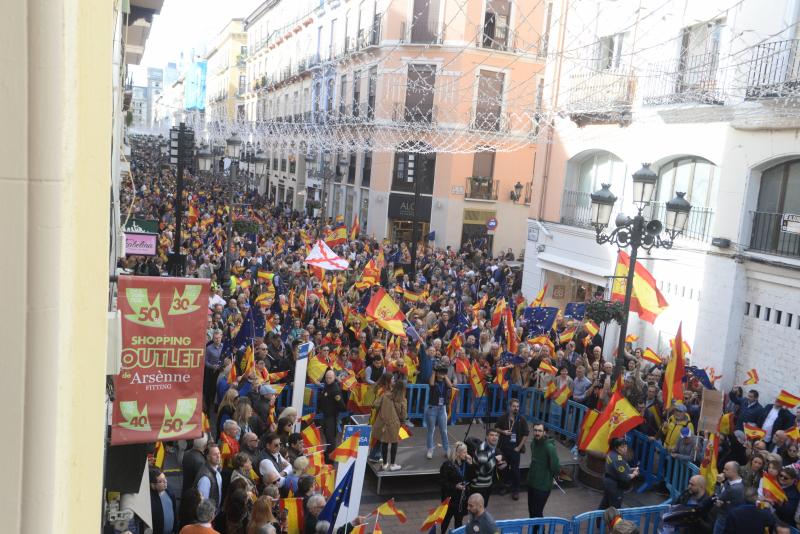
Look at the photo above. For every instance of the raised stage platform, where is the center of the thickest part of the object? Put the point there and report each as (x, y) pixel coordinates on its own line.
(411, 454)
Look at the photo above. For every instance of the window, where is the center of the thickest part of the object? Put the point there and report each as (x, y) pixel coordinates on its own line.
(242, 84)
(600, 168)
(483, 163)
(275, 163)
(419, 93)
(693, 176)
(351, 169)
(778, 196)
(329, 87)
(545, 39)
(372, 90)
(412, 166)
(343, 95)
(283, 164)
(366, 169)
(356, 92)
(608, 53)
(292, 166)
(489, 107)
(425, 22)
(495, 24)
(699, 56)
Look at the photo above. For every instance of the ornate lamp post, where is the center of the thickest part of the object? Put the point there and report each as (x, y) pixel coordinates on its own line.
(233, 147)
(637, 232)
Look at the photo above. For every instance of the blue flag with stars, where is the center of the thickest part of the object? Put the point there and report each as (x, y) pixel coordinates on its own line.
(341, 495)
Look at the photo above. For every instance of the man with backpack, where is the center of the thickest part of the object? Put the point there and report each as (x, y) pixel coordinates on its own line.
(544, 468)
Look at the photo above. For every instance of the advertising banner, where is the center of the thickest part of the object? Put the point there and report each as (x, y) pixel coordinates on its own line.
(158, 391)
(141, 244)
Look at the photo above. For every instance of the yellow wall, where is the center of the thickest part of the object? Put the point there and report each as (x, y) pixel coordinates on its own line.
(55, 106)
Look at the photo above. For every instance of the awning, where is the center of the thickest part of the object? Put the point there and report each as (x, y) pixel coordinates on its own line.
(575, 269)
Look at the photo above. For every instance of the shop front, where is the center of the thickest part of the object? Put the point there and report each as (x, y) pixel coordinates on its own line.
(474, 229)
(401, 216)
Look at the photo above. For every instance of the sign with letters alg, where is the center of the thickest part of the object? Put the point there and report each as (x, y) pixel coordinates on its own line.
(158, 391)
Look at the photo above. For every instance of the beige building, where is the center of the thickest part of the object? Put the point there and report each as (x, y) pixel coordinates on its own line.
(225, 76)
(447, 70)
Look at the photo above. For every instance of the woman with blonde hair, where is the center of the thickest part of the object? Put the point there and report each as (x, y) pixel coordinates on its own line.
(392, 410)
(261, 515)
(242, 415)
(226, 408)
(290, 413)
(454, 475)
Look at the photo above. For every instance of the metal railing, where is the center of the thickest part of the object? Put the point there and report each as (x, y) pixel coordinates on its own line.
(767, 235)
(698, 226)
(610, 90)
(774, 70)
(509, 43)
(576, 209)
(694, 78)
(489, 121)
(481, 188)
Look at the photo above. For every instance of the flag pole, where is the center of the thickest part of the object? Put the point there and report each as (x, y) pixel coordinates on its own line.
(475, 412)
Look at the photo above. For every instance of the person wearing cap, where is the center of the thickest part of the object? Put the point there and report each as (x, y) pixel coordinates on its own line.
(671, 429)
(618, 474)
(264, 406)
(689, 447)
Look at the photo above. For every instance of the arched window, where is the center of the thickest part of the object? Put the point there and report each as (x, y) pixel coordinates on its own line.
(693, 176)
(777, 215)
(780, 189)
(600, 168)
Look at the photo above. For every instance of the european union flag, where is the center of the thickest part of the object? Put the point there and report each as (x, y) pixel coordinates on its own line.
(247, 331)
(575, 310)
(341, 495)
(412, 333)
(539, 320)
(431, 236)
(700, 375)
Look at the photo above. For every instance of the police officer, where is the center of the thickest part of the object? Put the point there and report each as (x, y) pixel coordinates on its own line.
(330, 404)
(618, 475)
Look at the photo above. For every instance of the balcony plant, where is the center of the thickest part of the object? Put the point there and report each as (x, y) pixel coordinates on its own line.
(604, 311)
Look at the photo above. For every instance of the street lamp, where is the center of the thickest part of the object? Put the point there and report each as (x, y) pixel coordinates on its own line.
(636, 232)
(233, 146)
(517, 192)
(205, 160)
(261, 166)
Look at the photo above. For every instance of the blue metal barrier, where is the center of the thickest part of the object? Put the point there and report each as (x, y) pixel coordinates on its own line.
(465, 403)
(676, 475)
(650, 455)
(647, 518)
(417, 400)
(565, 421)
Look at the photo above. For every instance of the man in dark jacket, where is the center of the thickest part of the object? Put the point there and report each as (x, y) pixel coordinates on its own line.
(730, 494)
(748, 517)
(774, 417)
(696, 497)
(513, 430)
(162, 504)
(193, 460)
(749, 408)
(544, 467)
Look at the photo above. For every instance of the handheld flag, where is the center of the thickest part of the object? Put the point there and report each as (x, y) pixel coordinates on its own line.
(752, 377)
(588, 421)
(348, 449)
(646, 299)
(311, 436)
(616, 420)
(649, 355)
(726, 423)
(772, 489)
(355, 229)
(476, 381)
(591, 327)
(389, 508)
(295, 519)
(341, 495)
(404, 432)
(673, 375)
(630, 338)
(500, 379)
(708, 468)
(562, 395)
(754, 432)
(435, 516)
(337, 236)
(566, 336)
(538, 301)
(787, 399)
(158, 455)
(321, 256)
(793, 433)
(547, 368)
(386, 313)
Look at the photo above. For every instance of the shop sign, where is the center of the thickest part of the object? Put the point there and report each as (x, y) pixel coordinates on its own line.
(401, 207)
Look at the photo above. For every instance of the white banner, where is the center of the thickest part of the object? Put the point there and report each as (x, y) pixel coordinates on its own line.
(298, 389)
(358, 474)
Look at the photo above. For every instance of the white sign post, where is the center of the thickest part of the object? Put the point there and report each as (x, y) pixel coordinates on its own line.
(358, 473)
(298, 389)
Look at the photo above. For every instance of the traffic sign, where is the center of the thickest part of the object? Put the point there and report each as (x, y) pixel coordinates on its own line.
(491, 224)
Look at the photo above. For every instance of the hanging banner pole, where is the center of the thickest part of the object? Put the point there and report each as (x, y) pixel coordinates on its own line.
(298, 389)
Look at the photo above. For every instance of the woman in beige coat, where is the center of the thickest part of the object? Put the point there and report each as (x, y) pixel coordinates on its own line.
(391, 410)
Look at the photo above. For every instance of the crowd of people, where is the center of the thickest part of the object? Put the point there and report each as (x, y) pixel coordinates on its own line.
(252, 251)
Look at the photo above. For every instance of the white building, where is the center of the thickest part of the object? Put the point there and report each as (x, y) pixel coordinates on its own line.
(706, 93)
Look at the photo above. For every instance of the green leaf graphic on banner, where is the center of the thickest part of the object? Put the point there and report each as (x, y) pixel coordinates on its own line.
(145, 312)
(183, 304)
(134, 419)
(177, 424)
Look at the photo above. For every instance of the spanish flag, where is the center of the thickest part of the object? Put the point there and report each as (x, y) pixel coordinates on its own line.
(587, 424)
(562, 395)
(793, 433)
(481, 304)
(686, 348)
(455, 343)
(386, 313)
(538, 301)
(348, 449)
(411, 296)
(616, 420)
(550, 390)
(404, 433)
(630, 338)
(673, 375)
(193, 214)
(591, 327)
(511, 332)
(232, 374)
(499, 311)
(326, 478)
(337, 236)
(307, 418)
(295, 521)
(708, 468)
(476, 381)
(316, 460)
(248, 362)
(206, 423)
(389, 508)
(543, 340)
(752, 377)
(311, 436)
(158, 455)
(773, 491)
(726, 423)
(566, 336)
(274, 377)
(646, 299)
(500, 379)
(316, 368)
(355, 229)
(787, 399)
(370, 276)
(435, 516)
(547, 368)
(649, 355)
(754, 432)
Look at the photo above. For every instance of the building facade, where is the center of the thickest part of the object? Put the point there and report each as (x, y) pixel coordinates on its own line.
(139, 104)
(155, 85)
(705, 95)
(226, 76)
(371, 65)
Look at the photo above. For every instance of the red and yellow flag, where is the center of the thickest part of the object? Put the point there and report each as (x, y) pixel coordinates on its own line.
(538, 300)
(158, 455)
(708, 467)
(787, 399)
(476, 381)
(726, 424)
(362, 396)
(562, 395)
(543, 340)
(686, 348)
(231, 378)
(455, 343)
(500, 379)
(404, 433)
(588, 422)
(646, 299)
(616, 420)
(311, 436)
(673, 375)
(355, 229)
(386, 313)
(566, 336)
(326, 478)
(649, 355)
(752, 377)
(548, 368)
(793, 433)
(337, 236)
(348, 449)
(630, 338)
(435, 516)
(248, 362)
(295, 520)
(754, 432)
(772, 488)
(499, 312)
(389, 508)
(591, 327)
(512, 341)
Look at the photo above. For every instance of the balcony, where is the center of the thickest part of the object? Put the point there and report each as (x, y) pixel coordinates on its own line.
(481, 188)
(489, 121)
(768, 235)
(774, 70)
(507, 43)
(698, 227)
(690, 79)
(601, 97)
(576, 209)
